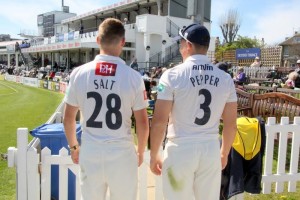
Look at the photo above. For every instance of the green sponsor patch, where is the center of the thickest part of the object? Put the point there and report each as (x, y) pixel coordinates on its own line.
(160, 88)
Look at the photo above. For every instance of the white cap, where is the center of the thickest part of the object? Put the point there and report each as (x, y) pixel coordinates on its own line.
(298, 61)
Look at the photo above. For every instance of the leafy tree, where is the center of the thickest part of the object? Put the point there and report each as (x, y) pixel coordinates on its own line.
(246, 42)
(240, 43)
(230, 24)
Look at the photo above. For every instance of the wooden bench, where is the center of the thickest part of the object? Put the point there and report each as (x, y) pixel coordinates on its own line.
(264, 89)
(259, 80)
(272, 104)
(245, 102)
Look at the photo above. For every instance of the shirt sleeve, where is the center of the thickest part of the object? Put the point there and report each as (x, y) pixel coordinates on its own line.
(141, 100)
(164, 89)
(232, 92)
(70, 96)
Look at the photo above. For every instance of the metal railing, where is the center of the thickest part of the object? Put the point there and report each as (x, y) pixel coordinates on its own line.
(170, 51)
(172, 28)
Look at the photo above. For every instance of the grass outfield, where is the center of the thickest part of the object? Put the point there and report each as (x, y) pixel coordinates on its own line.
(20, 106)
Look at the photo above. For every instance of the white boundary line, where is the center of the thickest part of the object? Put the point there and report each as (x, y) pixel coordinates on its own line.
(15, 91)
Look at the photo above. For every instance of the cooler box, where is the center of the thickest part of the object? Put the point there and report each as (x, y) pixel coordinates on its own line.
(53, 137)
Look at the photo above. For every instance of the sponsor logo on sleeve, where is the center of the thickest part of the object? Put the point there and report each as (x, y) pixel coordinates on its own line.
(160, 88)
(106, 69)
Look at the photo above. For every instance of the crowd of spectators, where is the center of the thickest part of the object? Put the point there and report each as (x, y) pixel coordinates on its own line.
(291, 81)
(40, 73)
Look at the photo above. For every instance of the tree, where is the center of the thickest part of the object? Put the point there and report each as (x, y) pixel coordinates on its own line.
(240, 43)
(230, 24)
(245, 42)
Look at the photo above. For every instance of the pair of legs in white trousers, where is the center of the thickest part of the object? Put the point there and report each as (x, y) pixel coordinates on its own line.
(192, 169)
(110, 165)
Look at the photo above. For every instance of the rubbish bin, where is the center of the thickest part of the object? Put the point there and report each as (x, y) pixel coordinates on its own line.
(53, 137)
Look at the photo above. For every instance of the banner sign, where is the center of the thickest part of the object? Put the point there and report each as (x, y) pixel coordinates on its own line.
(53, 39)
(241, 54)
(30, 82)
(62, 87)
(10, 48)
(76, 35)
(10, 78)
(60, 37)
(66, 37)
(71, 36)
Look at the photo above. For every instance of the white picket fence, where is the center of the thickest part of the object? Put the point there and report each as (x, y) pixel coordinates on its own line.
(34, 165)
(254, 72)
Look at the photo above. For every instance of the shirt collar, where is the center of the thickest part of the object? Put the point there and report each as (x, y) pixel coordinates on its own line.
(109, 58)
(198, 57)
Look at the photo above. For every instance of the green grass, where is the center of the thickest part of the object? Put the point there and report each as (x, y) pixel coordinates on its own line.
(20, 106)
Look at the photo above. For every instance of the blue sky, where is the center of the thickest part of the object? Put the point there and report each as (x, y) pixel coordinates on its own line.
(272, 20)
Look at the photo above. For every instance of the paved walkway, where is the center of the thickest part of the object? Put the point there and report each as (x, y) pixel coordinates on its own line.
(150, 185)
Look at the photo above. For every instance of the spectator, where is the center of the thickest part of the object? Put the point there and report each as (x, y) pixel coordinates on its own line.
(125, 21)
(147, 79)
(240, 78)
(134, 65)
(290, 83)
(298, 66)
(229, 69)
(157, 73)
(51, 75)
(256, 62)
(297, 81)
(81, 29)
(55, 66)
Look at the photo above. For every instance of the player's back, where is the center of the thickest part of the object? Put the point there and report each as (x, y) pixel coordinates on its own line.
(108, 91)
(200, 92)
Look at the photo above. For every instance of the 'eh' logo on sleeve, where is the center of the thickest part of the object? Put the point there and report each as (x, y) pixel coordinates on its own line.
(106, 69)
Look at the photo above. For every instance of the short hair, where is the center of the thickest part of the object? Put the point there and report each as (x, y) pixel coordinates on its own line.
(199, 47)
(111, 31)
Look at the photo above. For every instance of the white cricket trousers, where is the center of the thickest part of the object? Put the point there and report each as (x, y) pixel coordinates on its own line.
(112, 165)
(192, 169)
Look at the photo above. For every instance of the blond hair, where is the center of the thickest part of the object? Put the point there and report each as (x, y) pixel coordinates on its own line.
(111, 31)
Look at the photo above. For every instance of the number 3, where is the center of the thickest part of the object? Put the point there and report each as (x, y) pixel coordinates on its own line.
(205, 107)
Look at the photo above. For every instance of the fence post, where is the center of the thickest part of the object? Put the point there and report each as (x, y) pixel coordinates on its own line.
(63, 176)
(282, 153)
(33, 177)
(294, 154)
(22, 142)
(270, 136)
(11, 156)
(46, 174)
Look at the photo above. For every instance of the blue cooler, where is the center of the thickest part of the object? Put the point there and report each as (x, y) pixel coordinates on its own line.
(53, 137)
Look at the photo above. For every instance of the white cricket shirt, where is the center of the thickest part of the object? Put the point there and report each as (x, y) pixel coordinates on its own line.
(199, 92)
(106, 91)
